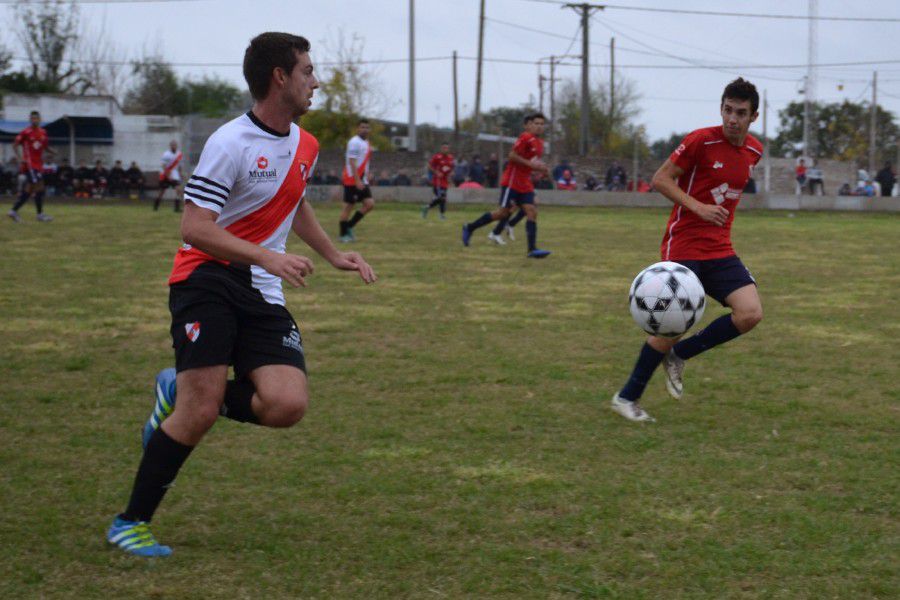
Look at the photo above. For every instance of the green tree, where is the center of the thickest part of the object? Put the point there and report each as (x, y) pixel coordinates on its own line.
(609, 134)
(212, 97)
(48, 32)
(156, 91)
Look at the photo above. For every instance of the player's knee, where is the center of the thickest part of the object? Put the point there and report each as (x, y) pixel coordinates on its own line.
(286, 408)
(746, 320)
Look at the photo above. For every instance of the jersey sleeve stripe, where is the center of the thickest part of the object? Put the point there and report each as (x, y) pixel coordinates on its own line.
(202, 199)
(211, 182)
(200, 188)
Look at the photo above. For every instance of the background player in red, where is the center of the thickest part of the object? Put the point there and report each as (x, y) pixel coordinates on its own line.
(516, 187)
(704, 178)
(33, 142)
(441, 167)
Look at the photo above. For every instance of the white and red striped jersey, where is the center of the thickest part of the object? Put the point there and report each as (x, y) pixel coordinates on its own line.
(254, 178)
(361, 151)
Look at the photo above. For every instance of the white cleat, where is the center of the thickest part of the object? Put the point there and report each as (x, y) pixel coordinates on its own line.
(674, 368)
(510, 234)
(630, 410)
(496, 239)
(14, 216)
(44, 218)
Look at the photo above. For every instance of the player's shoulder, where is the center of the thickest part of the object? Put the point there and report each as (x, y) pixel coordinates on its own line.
(706, 134)
(753, 144)
(306, 137)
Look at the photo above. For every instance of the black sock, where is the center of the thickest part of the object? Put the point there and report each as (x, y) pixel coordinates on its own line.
(23, 198)
(480, 222)
(515, 220)
(498, 229)
(238, 401)
(343, 228)
(646, 363)
(177, 205)
(156, 203)
(443, 205)
(531, 229)
(718, 332)
(434, 203)
(39, 202)
(357, 217)
(159, 466)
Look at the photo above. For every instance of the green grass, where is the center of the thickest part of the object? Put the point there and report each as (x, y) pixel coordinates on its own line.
(459, 442)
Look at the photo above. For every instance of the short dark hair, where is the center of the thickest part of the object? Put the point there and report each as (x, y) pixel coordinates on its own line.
(741, 89)
(535, 115)
(269, 51)
(34, 112)
(362, 122)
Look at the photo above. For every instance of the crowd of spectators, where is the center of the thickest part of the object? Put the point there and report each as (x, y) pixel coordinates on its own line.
(82, 181)
(883, 184)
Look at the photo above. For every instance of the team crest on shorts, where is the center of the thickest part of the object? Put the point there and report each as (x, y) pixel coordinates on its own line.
(192, 330)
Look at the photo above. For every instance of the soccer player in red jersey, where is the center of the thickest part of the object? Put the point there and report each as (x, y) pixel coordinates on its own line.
(516, 187)
(441, 166)
(225, 291)
(704, 178)
(33, 142)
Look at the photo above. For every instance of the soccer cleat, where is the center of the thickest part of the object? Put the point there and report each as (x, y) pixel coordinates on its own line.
(164, 405)
(510, 234)
(466, 235)
(630, 410)
(135, 538)
(345, 239)
(538, 253)
(674, 368)
(496, 239)
(14, 216)
(44, 218)
(425, 211)
(443, 217)
(350, 234)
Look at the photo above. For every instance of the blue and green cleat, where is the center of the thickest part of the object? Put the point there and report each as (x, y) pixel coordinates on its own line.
(134, 537)
(538, 253)
(165, 403)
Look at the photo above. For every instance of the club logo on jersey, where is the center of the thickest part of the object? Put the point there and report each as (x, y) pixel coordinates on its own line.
(192, 330)
(723, 192)
(262, 173)
(718, 165)
(292, 341)
(680, 149)
(262, 162)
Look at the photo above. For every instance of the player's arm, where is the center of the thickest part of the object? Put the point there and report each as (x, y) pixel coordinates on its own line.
(665, 181)
(17, 147)
(200, 230)
(307, 227)
(537, 165)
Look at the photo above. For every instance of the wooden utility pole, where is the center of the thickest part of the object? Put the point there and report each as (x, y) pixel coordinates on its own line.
(873, 122)
(612, 80)
(413, 145)
(455, 105)
(585, 124)
(478, 75)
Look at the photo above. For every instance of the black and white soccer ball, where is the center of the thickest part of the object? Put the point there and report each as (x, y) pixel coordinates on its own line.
(666, 299)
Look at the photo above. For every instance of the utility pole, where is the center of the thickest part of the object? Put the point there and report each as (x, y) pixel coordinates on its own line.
(455, 106)
(585, 10)
(552, 137)
(612, 79)
(634, 164)
(767, 167)
(809, 86)
(478, 75)
(541, 80)
(412, 77)
(872, 124)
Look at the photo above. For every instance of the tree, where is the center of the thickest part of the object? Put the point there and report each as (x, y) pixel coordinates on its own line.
(48, 32)
(213, 97)
(611, 135)
(841, 131)
(157, 90)
(662, 148)
(508, 119)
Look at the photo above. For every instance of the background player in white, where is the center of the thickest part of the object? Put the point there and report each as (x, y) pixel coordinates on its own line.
(170, 175)
(356, 181)
(244, 197)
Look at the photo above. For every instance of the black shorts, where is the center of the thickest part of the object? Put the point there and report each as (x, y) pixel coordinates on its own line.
(352, 194)
(509, 196)
(439, 192)
(33, 176)
(218, 318)
(720, 276)
(168, 183)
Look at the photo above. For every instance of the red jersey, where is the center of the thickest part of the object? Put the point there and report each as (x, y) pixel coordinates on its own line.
(516, 176)
(715, 172)
(441, 166)
(34, 141)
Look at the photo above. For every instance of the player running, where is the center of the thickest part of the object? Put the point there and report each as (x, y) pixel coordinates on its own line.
(225, 295)
(516, 187)
(33, 141)
(170, 175)
(441, 167)
(356, 181)
(704, 178)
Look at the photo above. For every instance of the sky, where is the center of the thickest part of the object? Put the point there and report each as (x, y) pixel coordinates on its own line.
(671, 99)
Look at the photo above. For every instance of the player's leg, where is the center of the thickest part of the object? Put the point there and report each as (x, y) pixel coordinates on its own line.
(626, 401)
(505, 202)
(281, 395)
(531, 213)
(179, 192)
(39, 191)
(435, 201)
(25, 193)
(350, 197)
(442, 203)
(163, 184)
(368, 204)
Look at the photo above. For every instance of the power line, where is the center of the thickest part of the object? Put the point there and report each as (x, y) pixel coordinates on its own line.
(714, 13)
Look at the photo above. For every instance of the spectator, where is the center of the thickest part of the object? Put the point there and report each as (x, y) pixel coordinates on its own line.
(116, 179)
(886, 178)
(616, 177)
(492, 173)
(100, 177)
(331, 178)
(383, 179)
(470, 184)
(866, 189)
(476, 171)
(10, 176)
(316, 178)
(591, 184)
(567, 181)
(845, 190)
(560, 168)
(135, 181)
(64, 176)
(800, 175)
(402, 178)
(50, 180)
(815, 179)
(83, 181)
(642, 185)
(460, 171)
(542, 182)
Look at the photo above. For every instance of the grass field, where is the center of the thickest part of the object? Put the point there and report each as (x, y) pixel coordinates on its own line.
(459, 441)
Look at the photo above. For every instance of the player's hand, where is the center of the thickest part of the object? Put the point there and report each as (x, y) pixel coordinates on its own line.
(712, 213)
(539, 165)
(360, 185)
(290, 267)
(353, 261)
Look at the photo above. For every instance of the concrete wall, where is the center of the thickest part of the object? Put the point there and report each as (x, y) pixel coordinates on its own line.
(419, 195)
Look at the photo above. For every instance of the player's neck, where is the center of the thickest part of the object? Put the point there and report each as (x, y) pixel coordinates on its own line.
(272, 116)
(734, 141)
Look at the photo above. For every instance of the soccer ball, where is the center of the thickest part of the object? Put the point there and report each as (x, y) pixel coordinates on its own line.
(666, 299)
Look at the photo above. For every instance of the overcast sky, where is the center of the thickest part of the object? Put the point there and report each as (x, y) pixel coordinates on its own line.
(217, 31)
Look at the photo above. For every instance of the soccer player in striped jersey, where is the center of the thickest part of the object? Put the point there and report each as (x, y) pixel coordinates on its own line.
(32, 142)
(225, 296)
(170, 175)
(704, 178)
(356, 181)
